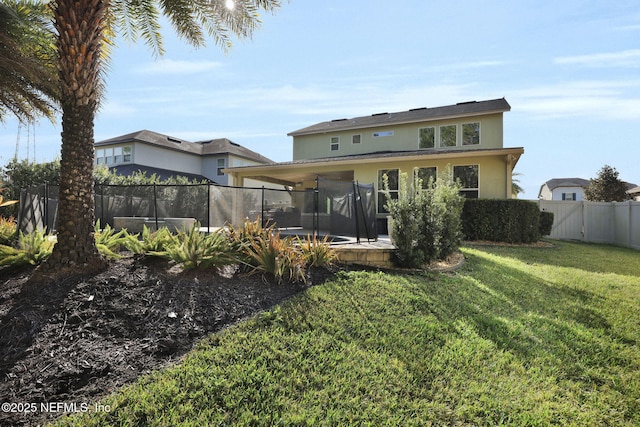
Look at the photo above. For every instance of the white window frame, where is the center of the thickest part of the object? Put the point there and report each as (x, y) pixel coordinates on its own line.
(465, 190)
(440, 142)
(334, 143)
(479, 133)
(433, 128)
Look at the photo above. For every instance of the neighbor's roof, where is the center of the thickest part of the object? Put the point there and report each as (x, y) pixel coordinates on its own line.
(566, 182)
(416, 115)
(224, 145)
(201, 148)
(126, 169)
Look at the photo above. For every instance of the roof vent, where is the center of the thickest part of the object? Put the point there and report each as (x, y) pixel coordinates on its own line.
(418, 109)
(379, 114)
(338, 120)
(177, 141)
(467, 102)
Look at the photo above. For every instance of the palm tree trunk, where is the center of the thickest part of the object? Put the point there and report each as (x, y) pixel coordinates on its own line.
(80, 27)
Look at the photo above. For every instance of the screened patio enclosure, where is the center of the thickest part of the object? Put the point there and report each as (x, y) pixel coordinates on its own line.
(332, 208)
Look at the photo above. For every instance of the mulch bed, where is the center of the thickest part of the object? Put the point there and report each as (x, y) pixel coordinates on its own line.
(78, 339)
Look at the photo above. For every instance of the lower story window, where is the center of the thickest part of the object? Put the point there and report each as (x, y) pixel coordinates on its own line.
(392, 176)
(467, 175)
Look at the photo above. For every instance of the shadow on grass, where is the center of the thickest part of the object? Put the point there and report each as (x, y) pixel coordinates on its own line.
(597, 258)
(532, 318)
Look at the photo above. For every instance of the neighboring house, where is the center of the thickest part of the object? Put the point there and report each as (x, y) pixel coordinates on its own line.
(168, 156)
(467, 136)
(634, 192)
(563, 189)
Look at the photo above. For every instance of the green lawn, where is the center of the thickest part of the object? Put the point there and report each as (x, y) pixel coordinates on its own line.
(518, 336)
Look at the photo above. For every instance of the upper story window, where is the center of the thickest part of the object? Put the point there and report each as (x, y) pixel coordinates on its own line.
(221, 164)
(335, 143)
(448, 136)
(427, 137)
(113, 155)
(471, 133)
(383, 134)
(356, 139)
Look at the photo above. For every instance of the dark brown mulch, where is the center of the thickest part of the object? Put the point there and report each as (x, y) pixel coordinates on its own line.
(76, 340)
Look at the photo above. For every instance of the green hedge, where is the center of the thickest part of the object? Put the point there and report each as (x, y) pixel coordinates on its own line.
(503, 220)
(546, 223)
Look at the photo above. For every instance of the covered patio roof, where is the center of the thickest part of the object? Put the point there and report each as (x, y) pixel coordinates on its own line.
(342, 168)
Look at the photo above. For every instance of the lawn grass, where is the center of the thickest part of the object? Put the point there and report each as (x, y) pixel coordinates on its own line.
(517, 336)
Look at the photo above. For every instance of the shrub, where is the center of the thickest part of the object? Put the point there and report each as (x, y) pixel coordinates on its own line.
(317, 253)
(546, 223)
(193, 249)
(425, 219)
(32, 248)
(8, 228)
(108, 241)
(501, 220)
(149, 243)
(278, 257)
(242, 238)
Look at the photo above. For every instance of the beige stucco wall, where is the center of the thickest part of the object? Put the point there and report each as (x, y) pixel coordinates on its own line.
(491, 172)
(405, 137)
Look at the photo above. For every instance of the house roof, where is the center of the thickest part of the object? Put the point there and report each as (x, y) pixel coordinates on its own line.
(416, 115)
(224, 145)
(201, 148)
(554, 183)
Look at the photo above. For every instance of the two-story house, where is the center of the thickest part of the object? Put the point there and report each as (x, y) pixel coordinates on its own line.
(466, 136)
(563, 189)
(167, 156)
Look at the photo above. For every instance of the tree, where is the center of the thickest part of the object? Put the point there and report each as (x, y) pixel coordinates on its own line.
(606, 187)
(28, 74)
(84, 29)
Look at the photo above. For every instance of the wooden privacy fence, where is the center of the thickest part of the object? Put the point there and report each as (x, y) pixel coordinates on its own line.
(616, 223)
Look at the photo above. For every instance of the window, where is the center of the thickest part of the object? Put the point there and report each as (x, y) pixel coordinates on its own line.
(355, 139)
(471, 133)
(383, 134)
(392, 175)
(220, 167)
(113, 155)
(335, 143)
(126, 154)
(448, 136)
(427, 175)
(468, 177)
(427, 137)
(568, 196)
(117, 155)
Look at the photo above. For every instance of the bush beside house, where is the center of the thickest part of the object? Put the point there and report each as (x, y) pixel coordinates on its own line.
(504, 220)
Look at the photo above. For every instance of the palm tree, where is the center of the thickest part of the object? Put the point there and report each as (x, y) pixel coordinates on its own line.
(85, 29)
(28, 74)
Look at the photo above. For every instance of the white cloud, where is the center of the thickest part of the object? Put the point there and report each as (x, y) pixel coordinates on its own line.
(173, 67)
(626, 58)
(610, 100)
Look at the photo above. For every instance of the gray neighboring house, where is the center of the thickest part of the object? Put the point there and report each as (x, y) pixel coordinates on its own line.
(166, 156)
(563, 189)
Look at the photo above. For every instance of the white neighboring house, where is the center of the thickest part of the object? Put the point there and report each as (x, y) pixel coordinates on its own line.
(563, 189)
(167, 156)
(634, 193)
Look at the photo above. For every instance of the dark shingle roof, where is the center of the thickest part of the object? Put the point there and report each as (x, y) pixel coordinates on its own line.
(223, 145)
(462, 109)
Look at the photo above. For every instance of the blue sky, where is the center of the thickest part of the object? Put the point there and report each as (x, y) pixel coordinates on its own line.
(570, 70)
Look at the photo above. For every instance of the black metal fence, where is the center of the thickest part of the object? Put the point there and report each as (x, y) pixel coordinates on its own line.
(334, 208)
